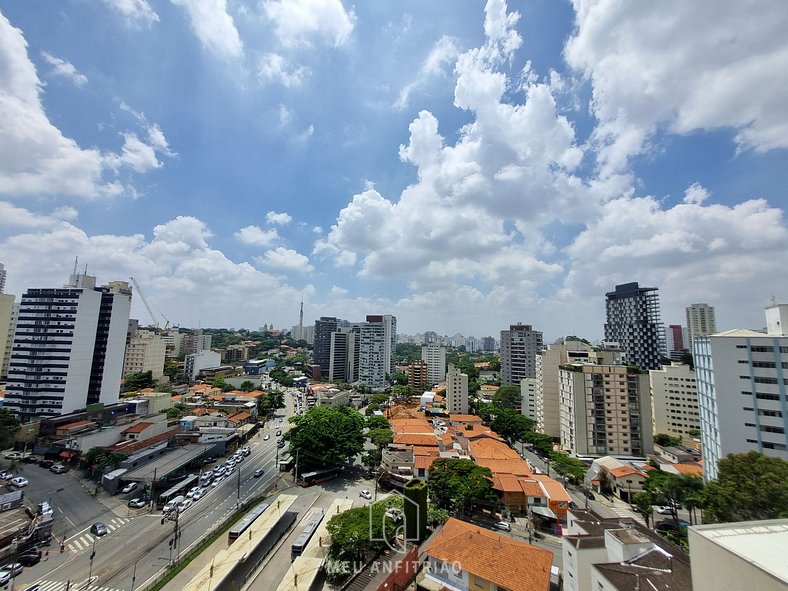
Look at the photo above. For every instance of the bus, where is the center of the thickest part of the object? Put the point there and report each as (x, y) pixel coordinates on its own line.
(306, 534)
(286, 463)
(247, 520)
(312, 478)
(178, 489)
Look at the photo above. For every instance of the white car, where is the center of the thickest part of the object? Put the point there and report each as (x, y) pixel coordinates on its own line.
(266, 437)
(198, 494)
(128, 488)
(19, 481)
(191, 492)
(665, 510)
(183, 505)
(366, 494)
(217, 481)
(502, 525)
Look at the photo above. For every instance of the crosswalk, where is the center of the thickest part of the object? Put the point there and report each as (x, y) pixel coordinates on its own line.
(85, 541)
(67, 586)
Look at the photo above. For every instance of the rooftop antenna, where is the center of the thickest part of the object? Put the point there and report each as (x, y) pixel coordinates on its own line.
(76, 262)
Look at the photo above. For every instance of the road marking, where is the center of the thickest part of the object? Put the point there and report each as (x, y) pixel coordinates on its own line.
(86, 540)
(61, 586)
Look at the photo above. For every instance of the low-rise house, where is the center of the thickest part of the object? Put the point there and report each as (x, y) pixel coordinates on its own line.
(466, 557)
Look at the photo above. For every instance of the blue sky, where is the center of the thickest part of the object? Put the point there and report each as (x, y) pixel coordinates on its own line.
(461, 165)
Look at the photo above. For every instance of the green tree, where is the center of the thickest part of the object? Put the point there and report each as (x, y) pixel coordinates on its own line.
(376, 422)
(325, 437)
(508, 397)
(400, 378)
(176, 411)
(567, 466)
(666, 440)
(139, 380)
(415, 490)
(9, 425)
(381, 437)
(509, 424)
(270, 402)
(643, 501)
(379, 398)
(218, 382)
(371, 408)
(407, 352)
(247, 386)
(749, 487)
(457, 483)
(542, 444)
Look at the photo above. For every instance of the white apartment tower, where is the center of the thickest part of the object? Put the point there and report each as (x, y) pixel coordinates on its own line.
(2, 278)
(68, 347)
(377, 344)
(605, 410)
(519, 347)
(196, 362)
(456, 391)
(743, 391)
(145, 351)
(633, 321)
(528, 389)
(700, 322)
(674, 400)
(435, 357)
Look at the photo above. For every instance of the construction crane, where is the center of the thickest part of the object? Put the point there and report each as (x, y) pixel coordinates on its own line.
(149, 307)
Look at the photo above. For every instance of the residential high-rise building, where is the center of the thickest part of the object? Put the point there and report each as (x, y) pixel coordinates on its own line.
(7, 324)
(743, 391)
(344, 357)
(2, 278)
(633, 321)
(528, 389)
(322, 349)
(519, 348)
(68, 347)
(674, 400)
(196, 362)
(418, 374)
(456, 391)
(435, 356)
(145, 351)
(488, 344)
(605, 410)
(676, 341)
(700, 322)
(377, 345)
(194, 342)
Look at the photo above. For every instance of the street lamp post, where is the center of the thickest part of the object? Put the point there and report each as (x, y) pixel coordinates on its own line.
(90, 570)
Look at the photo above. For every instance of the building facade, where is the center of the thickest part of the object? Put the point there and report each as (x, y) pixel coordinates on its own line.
(742, 380)
(7, 325)
(2, 278)
(68, 347)
(376, 348)
(700, 322)
(322, 348)
(145, 351)
(674, 400)
(528, 390)
(676, 341)
(344, 358)
(519, 347)
(605, 410)
(456, 391)
(417, 374)
(633, 321)
(194, 342)
(197, 362)
(435, 357)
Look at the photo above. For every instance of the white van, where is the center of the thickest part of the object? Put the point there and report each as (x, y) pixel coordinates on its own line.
(169, 506)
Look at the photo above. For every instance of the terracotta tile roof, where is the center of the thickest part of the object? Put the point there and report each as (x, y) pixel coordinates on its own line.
(500, 559)
(487, 447)
(625, 471)
(517, 467)
(238, 417)
(138, 428)
(132, 446)
(460, 418)
(411, 426)
(693, 469)
(416, 439)
(438, 398)
(555, 491)
(447, 439)
(489, 388)
(513, 484)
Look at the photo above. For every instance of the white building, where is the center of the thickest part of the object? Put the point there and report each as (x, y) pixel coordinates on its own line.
(68, 347)
(435, 357)
(145, 351)
(456, 391)
(548, 415)
(196, 362)
(742, 555)
(700, 322)
(674, 400)
(519, 347)
(2, 278)
(742, 391)
(377, 343)
(173, 339)
(528, 389)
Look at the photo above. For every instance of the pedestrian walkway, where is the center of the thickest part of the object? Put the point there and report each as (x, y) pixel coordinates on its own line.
(85, 541)
(67, 586)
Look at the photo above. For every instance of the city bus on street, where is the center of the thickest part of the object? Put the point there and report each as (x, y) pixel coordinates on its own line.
(312, 478)
(177, 490)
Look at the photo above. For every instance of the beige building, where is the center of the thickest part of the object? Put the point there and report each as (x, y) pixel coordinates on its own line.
(456, 391)
(7, 323)
(674, 400)
(743, 555)
(548, 362)
(145, 351)
(605, 410)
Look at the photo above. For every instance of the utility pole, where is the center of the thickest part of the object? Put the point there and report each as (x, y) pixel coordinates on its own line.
(90, 571)
(133, 576)
(238, 495)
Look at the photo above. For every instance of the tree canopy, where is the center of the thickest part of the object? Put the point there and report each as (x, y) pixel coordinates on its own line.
(139, 380)
(457, 483)
(268, 403)
(325, 437)
(749, 486)
(508, 397)
(9, 425)
(666, 440)
(376, 422)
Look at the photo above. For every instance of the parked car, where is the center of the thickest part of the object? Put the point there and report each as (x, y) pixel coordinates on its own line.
(246, 451)
(217, 481)
(671, 525)
(191, 492)
(99, 529)
(4, 475)
(9, 571)
(183, 505)
(129, 487)
(366, 494)
(59, 469)
(19, 482)
(46, 464)
(30, 558)
(31, 459)
(198, 494)
(280, 443)
(665, 510)
(502, 525)
(573, 505)
(14, 455)
(258, 473)
(137, 503)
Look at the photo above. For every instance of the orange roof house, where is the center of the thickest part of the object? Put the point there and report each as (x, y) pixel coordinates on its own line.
(417, 439)
(489, 557)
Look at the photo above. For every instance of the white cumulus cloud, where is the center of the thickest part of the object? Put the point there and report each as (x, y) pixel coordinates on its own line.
(272, 66)
(214, 26)
(286, 259)
(135, 11)
(297, 22)
(256, 236)
(280, 218)
(65, 69)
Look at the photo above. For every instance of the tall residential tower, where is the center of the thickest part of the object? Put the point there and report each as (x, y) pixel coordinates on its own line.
(519, 347)
(633, 321)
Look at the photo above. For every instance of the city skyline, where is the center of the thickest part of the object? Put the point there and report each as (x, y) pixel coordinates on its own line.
(466, 167)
